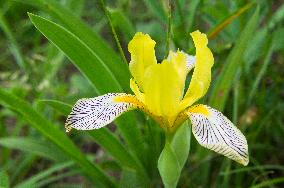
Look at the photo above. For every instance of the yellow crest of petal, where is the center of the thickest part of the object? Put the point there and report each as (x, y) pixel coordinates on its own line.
(201, 77)
(201, 109)
(141, 48)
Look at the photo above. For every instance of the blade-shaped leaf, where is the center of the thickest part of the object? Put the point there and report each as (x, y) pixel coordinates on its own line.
(35, 146)
(32, 181)
(58, 137)
(4, 180)
(224, 82)
(94, 69)
(107, 140)
(79, 53)
(96, 44)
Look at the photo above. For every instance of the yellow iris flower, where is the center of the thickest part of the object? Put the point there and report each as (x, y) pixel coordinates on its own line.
(159, 91)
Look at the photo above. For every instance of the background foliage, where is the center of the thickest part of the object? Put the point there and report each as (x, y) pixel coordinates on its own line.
(39, 83)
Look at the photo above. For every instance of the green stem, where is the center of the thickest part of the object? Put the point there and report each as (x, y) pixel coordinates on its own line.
(169, 27)
(113, 32)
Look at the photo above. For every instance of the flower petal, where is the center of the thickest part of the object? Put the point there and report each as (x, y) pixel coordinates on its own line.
(163, 89)
(216, 132)
(201, 77)
(94, 113)
(190, 60)
(142, 52)
(134, 87)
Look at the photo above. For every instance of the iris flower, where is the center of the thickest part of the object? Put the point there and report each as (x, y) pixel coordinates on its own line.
(159, 91)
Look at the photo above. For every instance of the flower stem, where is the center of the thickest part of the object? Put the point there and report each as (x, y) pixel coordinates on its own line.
(169, 28)
(113, 31)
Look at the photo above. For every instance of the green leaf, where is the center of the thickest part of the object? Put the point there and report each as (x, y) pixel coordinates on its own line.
(58, 137)
(228, 20)
(13, 45)
(181, 143)
(128, 179)
(157, 9)
(4, 180)
(59, 106)
(94, 69)
(191, 14)
(263, 69)
(96, 44)
(234, 61)
(174, 155)
(169, 167)
(34, 146)
(32, 181)
(123, 23)
(108, 141)
(80, 54)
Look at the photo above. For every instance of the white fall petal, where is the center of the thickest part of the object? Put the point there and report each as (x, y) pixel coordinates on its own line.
(94, 113)
(216, 132)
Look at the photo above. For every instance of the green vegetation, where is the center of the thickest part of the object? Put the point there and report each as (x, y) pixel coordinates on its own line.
(54, 52)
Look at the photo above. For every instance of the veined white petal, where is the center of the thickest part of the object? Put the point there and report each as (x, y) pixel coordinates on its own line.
(216, 132)
(94, 113)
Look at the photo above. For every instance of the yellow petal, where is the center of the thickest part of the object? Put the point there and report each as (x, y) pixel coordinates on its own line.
(201, 77)
(134, 87)
(142, 52)
(179, 61)
(163, 88)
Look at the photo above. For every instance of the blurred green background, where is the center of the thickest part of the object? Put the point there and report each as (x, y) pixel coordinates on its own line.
(39, 83)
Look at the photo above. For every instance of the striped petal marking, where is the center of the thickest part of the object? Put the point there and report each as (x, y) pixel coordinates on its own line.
(94, 113)
(216, 132)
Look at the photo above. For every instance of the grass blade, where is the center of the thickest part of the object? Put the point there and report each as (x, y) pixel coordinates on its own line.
(214, 32)
(59, 106)
(223, 84)
(80, 54)
(123, 23)
(96, 44)
(108, 141)
(34, 146)
(269, 182)
(14, 47)
(107, 14)
(157, 9)
(4, 180)
(32, 181)
(57, 136)
(261, 72)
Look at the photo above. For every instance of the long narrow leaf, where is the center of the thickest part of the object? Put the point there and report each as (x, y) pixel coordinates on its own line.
(79, 53)
(35, 146)
(14, 47)
(58, 137)
(94, 69)
(32, 181)
(224, 82)
(108, 141)
(96, 44)
(228, 20)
